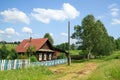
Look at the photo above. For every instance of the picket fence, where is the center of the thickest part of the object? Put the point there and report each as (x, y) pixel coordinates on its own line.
(49, 63)
(15, 64)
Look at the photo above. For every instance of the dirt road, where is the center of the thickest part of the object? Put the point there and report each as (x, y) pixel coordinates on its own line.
(77, 71)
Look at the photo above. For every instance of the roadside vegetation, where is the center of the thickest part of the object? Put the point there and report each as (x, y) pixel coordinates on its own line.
(31, 73)
(7, 51)
(107, 68)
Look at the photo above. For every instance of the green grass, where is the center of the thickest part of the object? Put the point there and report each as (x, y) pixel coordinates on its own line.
(114, 55)
(32, 73)
(75, 52)
(108, 70)
(9, 46)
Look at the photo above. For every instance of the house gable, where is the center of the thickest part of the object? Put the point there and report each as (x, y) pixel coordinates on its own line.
(47, 45)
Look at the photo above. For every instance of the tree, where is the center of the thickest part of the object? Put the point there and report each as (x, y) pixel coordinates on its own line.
(62, 46)
(113, 44)
(72, 46)
(77, 34)
(93, 36)
(4, 52)
(87, 33)
(117, 43)
(47, 35)
(101, 40)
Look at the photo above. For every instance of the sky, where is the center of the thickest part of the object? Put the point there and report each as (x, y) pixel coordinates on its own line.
(20, 19)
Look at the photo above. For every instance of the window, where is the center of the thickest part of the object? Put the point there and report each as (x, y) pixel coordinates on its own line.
(50, 56)
(45, 56)
(40, 56)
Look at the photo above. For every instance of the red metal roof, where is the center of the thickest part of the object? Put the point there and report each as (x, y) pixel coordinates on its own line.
(37, 43)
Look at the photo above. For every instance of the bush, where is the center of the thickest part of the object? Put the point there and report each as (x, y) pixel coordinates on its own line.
(62, 56)
(3, 52)
(12, 54)
(23, 57)
(33, 59)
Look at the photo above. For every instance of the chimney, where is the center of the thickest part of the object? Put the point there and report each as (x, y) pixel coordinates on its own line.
(30, 39)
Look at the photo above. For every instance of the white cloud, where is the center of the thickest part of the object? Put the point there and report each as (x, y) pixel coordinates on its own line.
(115, 21)
(64, 34)
(70, 11)
(2, 32)
(114, 10)
(10, 31)
(27, 30)
(15, 15)
(46, 15)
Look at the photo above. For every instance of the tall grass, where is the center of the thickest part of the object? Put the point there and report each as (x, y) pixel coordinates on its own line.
(108, 70)
(31, 73)
(114, 55)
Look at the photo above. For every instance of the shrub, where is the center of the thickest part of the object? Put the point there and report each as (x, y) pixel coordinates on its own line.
(12, 54)
(33, 59)
(23, 57)
(3, 52)
(62, 56)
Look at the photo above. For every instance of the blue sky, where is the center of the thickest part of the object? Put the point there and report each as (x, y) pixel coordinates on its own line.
(20, 19)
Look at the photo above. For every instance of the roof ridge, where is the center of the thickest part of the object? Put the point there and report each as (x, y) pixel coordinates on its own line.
(36, 38)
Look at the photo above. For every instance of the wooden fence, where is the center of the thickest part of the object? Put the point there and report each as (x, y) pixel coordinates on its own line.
(15, 64)
(49, 63)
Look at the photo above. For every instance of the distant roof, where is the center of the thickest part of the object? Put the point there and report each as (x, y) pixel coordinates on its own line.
(37, 43)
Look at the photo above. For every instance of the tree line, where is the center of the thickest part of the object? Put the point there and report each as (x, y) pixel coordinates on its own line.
(5, 42)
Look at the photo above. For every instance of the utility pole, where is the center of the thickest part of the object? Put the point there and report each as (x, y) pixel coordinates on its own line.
(68, 56)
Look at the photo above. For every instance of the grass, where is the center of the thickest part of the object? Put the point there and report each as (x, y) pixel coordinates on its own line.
(32, 73)
(108, 70)
(75, 52)
(9, 46)
(95, 69)
(115, 55)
